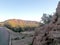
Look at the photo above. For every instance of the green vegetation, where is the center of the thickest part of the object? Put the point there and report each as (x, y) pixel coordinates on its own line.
(20, 25)
(23, 37)
(30, 44)
(46, 18)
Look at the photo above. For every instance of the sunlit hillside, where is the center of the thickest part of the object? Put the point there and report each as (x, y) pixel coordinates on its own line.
(21, 23)
(1, 23)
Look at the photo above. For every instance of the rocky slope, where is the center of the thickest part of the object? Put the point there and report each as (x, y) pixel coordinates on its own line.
(49, 34)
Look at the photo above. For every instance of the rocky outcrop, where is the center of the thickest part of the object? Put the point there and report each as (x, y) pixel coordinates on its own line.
(49, 34)
(58, 8)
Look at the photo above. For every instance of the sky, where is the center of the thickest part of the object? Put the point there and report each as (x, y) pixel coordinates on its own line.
(26, 9)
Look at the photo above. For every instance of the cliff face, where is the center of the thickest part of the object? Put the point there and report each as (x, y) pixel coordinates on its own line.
(49, 34)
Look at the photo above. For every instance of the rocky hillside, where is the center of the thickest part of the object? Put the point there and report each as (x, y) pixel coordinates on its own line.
(49, 34)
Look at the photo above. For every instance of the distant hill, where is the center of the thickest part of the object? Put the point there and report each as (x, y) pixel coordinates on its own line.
(1, 23)
(18, 24)
(21, 23)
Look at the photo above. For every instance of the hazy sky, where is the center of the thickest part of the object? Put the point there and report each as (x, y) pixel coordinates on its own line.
(26, 9)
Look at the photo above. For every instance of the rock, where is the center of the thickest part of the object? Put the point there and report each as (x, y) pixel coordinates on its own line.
(58, 9)
(49, 34)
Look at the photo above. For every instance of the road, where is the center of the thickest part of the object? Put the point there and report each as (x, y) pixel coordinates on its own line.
(4, 36)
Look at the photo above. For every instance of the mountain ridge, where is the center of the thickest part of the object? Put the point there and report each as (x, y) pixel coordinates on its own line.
(19, 22)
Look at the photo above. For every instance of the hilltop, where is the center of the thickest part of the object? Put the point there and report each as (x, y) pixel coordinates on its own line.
(17, 24)
(21, 23)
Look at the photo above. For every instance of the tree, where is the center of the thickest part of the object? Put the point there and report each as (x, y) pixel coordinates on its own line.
(46, 18)
(15, 29)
